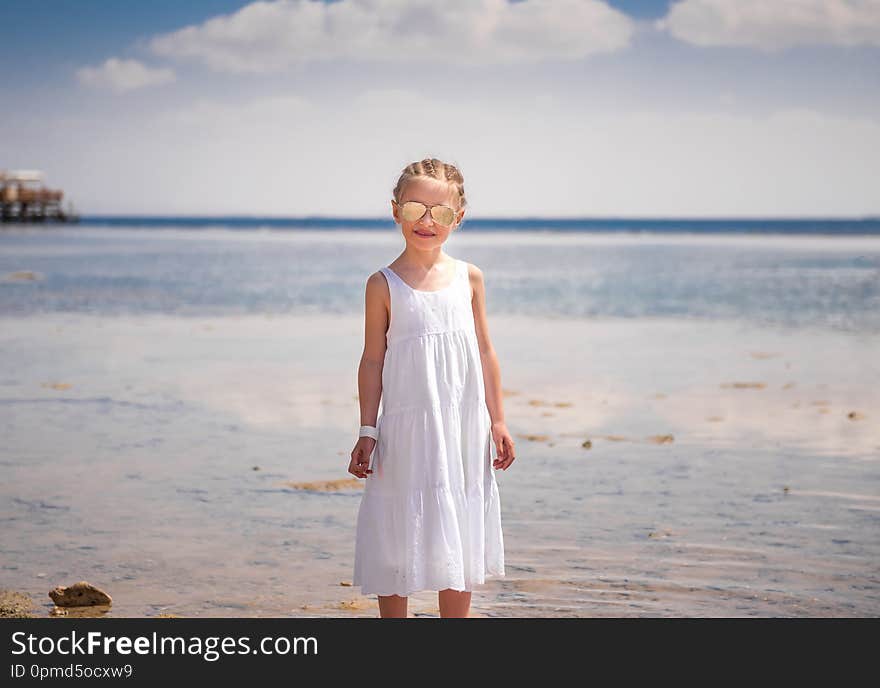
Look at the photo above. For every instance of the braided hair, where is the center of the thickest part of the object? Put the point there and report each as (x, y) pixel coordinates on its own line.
(433, 169)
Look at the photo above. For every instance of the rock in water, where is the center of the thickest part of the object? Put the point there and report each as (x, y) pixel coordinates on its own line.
(80, 594)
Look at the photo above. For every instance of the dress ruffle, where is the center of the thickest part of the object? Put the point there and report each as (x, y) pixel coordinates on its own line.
(433, 522)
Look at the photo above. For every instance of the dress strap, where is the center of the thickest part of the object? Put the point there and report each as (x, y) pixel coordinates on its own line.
(390, 275)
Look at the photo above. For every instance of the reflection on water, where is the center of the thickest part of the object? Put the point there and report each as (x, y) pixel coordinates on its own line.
(155, 456)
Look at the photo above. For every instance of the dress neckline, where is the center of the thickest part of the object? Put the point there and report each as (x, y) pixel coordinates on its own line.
(431, 291)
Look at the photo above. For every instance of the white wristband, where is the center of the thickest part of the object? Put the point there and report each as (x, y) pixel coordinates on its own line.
(369, 431)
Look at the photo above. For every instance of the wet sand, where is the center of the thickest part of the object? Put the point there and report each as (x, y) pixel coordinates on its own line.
(666, 467)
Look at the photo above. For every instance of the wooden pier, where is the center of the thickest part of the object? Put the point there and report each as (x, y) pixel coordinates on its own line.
(23, 198)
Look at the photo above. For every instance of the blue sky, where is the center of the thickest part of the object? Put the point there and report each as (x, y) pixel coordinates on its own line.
(555, 108)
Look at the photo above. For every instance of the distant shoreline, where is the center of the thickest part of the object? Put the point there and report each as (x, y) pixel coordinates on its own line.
(826, 226)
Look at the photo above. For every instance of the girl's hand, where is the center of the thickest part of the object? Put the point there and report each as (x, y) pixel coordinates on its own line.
(504, 445)
(360, 457)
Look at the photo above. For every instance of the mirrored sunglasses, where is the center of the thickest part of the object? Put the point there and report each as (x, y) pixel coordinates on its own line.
(413, 210)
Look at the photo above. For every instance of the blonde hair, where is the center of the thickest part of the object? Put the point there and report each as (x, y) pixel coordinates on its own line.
(433, 169)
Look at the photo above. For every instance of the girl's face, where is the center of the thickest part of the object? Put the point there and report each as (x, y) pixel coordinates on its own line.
(426, 232)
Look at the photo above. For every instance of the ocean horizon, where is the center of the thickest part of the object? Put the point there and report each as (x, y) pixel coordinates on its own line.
(831, 226)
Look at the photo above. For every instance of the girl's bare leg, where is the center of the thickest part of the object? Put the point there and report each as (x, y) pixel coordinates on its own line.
(392, 606)
(454, 603)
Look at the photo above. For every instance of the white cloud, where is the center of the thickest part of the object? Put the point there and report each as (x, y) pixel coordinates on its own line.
(272, 36)
(123, 75)
(774, 24)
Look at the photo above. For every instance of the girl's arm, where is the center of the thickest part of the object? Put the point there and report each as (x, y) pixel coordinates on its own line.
(491, 371)
(373, 357)
(370, 369)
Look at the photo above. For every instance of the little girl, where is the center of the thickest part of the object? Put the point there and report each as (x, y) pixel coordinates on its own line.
(430, 515)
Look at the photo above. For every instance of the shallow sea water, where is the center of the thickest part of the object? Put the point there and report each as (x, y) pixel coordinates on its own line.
(150, 437)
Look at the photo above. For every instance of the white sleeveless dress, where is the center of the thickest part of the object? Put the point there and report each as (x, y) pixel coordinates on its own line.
(430, 515)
